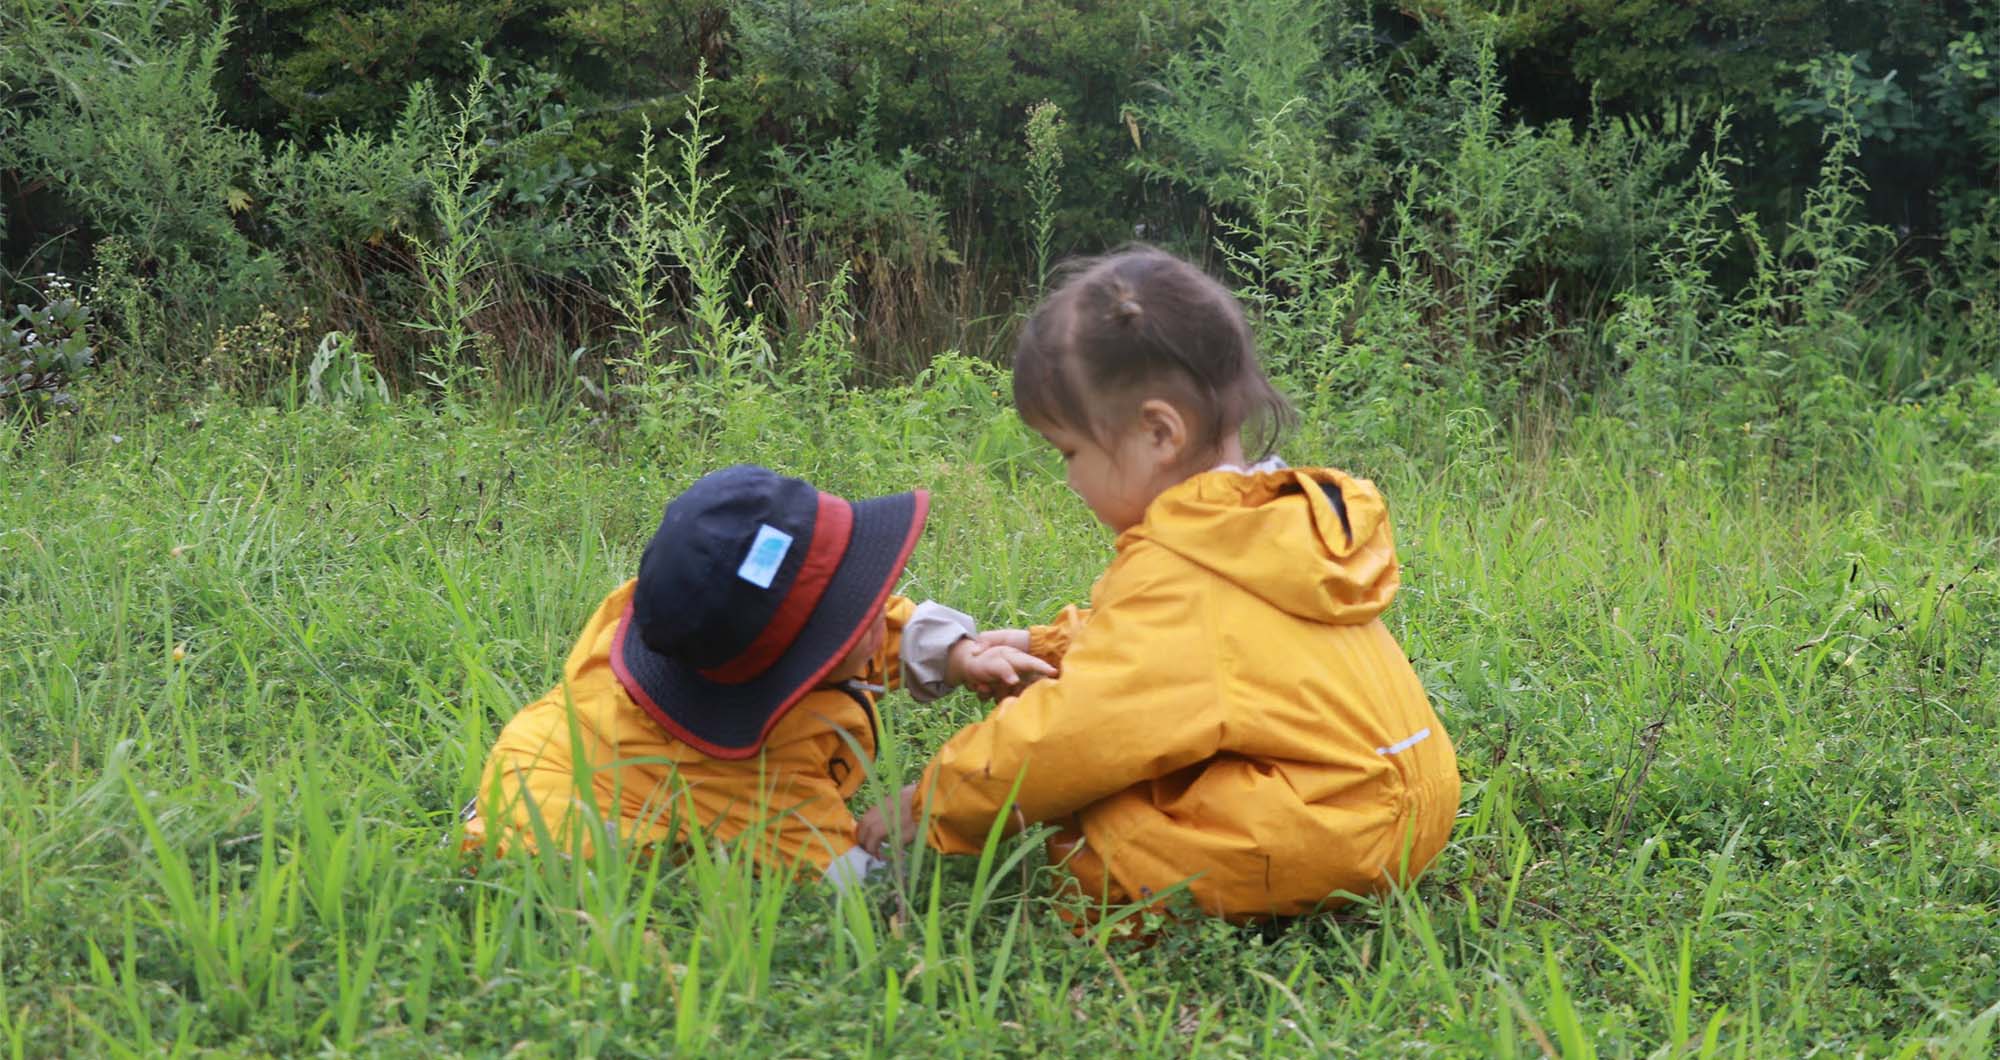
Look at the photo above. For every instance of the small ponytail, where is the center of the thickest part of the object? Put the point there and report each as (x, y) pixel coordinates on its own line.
(1083, 352)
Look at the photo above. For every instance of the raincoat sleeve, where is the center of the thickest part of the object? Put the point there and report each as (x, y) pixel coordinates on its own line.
(1051, 642)
(1137, 699)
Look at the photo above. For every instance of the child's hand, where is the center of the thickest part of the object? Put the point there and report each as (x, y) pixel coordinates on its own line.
(992, 670)
(877, 827)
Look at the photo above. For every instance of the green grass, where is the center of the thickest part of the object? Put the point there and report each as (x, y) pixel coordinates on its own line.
(1728, 739)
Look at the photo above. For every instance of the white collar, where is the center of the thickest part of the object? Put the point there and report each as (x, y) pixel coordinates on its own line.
(1271, 463)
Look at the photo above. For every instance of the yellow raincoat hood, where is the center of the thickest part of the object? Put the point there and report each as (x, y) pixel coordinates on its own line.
(1333, 562)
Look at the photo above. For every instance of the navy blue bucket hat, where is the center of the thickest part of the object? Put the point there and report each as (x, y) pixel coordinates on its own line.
(752, 589)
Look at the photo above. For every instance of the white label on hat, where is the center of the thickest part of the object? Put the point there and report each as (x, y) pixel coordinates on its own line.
(767, 554)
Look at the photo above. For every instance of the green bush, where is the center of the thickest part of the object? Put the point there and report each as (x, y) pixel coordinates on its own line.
(1317, 156)
(1767, 60)
(44, 347)
(356, 189)
(133, 142)
(1286, 86)
(315, 67)
(1789, 361)
(850, 205)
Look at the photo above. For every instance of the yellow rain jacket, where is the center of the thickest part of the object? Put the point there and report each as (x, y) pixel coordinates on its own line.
(1230, 709)
(587, 732)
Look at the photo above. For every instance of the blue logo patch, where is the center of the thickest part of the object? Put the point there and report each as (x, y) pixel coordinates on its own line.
(767, 554)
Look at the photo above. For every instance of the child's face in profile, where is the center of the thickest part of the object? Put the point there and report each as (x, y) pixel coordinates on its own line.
(855, 662)
(1118, 477)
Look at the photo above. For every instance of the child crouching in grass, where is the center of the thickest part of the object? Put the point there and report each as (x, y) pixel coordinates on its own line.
(730, 685)
(1230, 712)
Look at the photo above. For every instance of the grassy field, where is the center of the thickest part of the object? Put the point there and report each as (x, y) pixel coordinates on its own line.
(1728, 736)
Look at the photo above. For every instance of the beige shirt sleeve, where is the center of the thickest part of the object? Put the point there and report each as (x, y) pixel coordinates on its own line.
(927, 639)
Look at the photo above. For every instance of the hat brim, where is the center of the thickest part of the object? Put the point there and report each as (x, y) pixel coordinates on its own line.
(731, 720)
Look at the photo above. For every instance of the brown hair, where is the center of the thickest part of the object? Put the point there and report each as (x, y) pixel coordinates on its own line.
(1143, 318)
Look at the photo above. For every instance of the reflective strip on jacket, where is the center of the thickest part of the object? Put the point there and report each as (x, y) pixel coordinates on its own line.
(1230, 709)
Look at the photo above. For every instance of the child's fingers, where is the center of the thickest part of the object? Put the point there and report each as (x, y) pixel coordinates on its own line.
(1016, 663)
(999, 670)
(871, 832)
(906, 820)
(1016, 639)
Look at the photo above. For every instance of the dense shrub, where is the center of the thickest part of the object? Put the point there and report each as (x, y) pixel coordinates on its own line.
(1428, 206)
(124, 127)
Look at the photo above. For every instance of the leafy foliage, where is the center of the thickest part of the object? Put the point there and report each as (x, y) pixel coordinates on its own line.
(1451, 204)
(43, 348)
(128, 127)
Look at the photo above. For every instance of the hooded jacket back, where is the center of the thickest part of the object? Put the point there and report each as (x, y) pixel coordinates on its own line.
(1231, 709)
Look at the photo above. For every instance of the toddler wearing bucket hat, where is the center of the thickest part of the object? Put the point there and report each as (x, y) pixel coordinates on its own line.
(730, 689)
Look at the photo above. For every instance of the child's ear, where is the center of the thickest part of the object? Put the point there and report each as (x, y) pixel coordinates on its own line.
(1166, 429)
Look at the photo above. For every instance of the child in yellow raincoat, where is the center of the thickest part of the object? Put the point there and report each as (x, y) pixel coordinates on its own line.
(1230, 711)
(728, 686)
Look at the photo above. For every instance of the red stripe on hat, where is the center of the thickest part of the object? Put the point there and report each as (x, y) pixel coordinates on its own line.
(832, 527)
(917, 519)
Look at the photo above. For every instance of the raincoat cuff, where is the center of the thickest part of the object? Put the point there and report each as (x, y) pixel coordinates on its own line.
(927, 639)
(849, 869)
(1048, 643)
